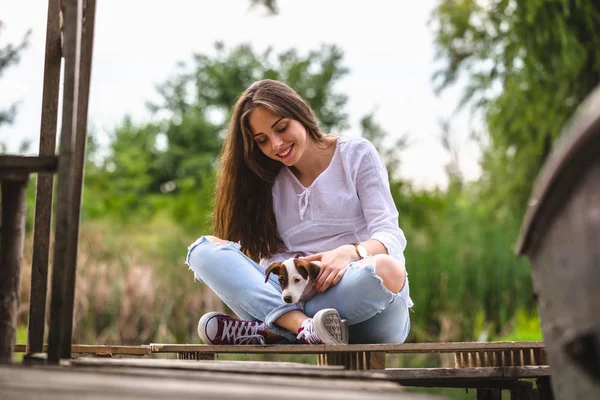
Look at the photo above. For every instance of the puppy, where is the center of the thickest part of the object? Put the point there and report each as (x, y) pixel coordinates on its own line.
(297, 278)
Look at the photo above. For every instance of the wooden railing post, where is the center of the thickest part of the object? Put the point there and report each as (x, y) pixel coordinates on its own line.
(79, 142)
(45, 181)
(64, 197)
(78, 39)
(12, 234)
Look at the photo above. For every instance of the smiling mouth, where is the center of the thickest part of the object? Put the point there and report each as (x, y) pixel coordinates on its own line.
(286, 153)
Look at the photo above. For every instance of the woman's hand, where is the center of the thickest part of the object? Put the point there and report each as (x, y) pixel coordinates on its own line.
(333, 265)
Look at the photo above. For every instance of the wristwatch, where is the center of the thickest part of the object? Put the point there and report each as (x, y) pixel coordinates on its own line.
(361, 250)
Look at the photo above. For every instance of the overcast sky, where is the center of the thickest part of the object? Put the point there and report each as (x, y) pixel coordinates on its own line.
(388, 48)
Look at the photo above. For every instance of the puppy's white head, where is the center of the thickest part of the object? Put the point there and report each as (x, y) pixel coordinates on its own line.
(296, 278)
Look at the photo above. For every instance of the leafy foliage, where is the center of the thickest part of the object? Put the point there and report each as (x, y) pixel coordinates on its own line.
(527, 65)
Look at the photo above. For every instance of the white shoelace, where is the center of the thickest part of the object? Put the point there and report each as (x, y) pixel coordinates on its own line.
(308, 334)
(242, 332)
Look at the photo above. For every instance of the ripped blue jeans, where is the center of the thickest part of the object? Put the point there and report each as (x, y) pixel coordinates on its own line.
(374, 313)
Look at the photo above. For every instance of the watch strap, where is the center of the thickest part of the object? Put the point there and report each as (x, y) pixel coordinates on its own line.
(361, 250)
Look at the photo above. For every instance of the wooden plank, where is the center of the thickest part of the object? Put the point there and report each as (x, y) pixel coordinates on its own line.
(28, 164)
(45, 183)
(97, 349)
(59, 314)
(478, 373)
(405, 348)
(109, 383)
(126, 350)
(450, 377)
(83, 73)
(242, 367)
(20, 348)
(467, 383)
(209, 365)
(12, 234)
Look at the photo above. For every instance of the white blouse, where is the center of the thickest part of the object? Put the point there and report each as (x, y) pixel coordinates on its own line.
(349, 202)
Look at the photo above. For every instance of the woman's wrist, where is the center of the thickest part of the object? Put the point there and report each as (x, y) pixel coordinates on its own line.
(350, 250)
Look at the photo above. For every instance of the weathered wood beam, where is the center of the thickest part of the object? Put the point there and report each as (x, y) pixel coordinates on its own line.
(28, 164)
(98, 349)
(64, 199)
(405, 348)
(12, 234)
(83, 85)
(500, 373)
(45, 182)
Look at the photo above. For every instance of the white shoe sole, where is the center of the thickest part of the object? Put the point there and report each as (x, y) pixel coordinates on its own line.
(202, 325)
(330, 328)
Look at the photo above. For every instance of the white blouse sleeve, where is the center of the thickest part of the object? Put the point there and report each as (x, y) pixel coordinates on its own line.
(373, 188)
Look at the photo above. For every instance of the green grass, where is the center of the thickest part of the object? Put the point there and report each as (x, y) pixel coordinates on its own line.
(21, 338)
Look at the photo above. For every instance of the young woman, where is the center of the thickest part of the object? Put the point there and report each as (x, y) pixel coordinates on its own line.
(285, 189)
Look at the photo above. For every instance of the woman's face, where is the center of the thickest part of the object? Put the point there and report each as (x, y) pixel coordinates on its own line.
(279, 138)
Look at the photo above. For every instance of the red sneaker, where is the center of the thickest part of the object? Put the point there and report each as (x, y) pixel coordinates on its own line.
(219, 328)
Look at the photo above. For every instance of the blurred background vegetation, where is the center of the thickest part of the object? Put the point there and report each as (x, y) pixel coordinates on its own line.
(148, 193)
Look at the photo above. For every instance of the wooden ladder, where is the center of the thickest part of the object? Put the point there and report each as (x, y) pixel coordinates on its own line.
(69, 37)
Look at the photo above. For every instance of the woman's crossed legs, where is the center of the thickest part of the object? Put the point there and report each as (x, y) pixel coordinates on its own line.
(363, 297)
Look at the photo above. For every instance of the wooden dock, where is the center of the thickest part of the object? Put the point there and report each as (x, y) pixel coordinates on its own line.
(486, 367)
(559, 235)
(97, 378)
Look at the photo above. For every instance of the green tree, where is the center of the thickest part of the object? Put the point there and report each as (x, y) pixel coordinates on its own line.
(169, 162)
(527, 64)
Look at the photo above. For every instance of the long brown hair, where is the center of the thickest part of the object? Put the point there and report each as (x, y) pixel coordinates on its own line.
(244, 203)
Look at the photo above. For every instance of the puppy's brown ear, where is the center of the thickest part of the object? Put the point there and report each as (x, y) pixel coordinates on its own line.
(308, 270)
(274, 268)
(313, 271)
